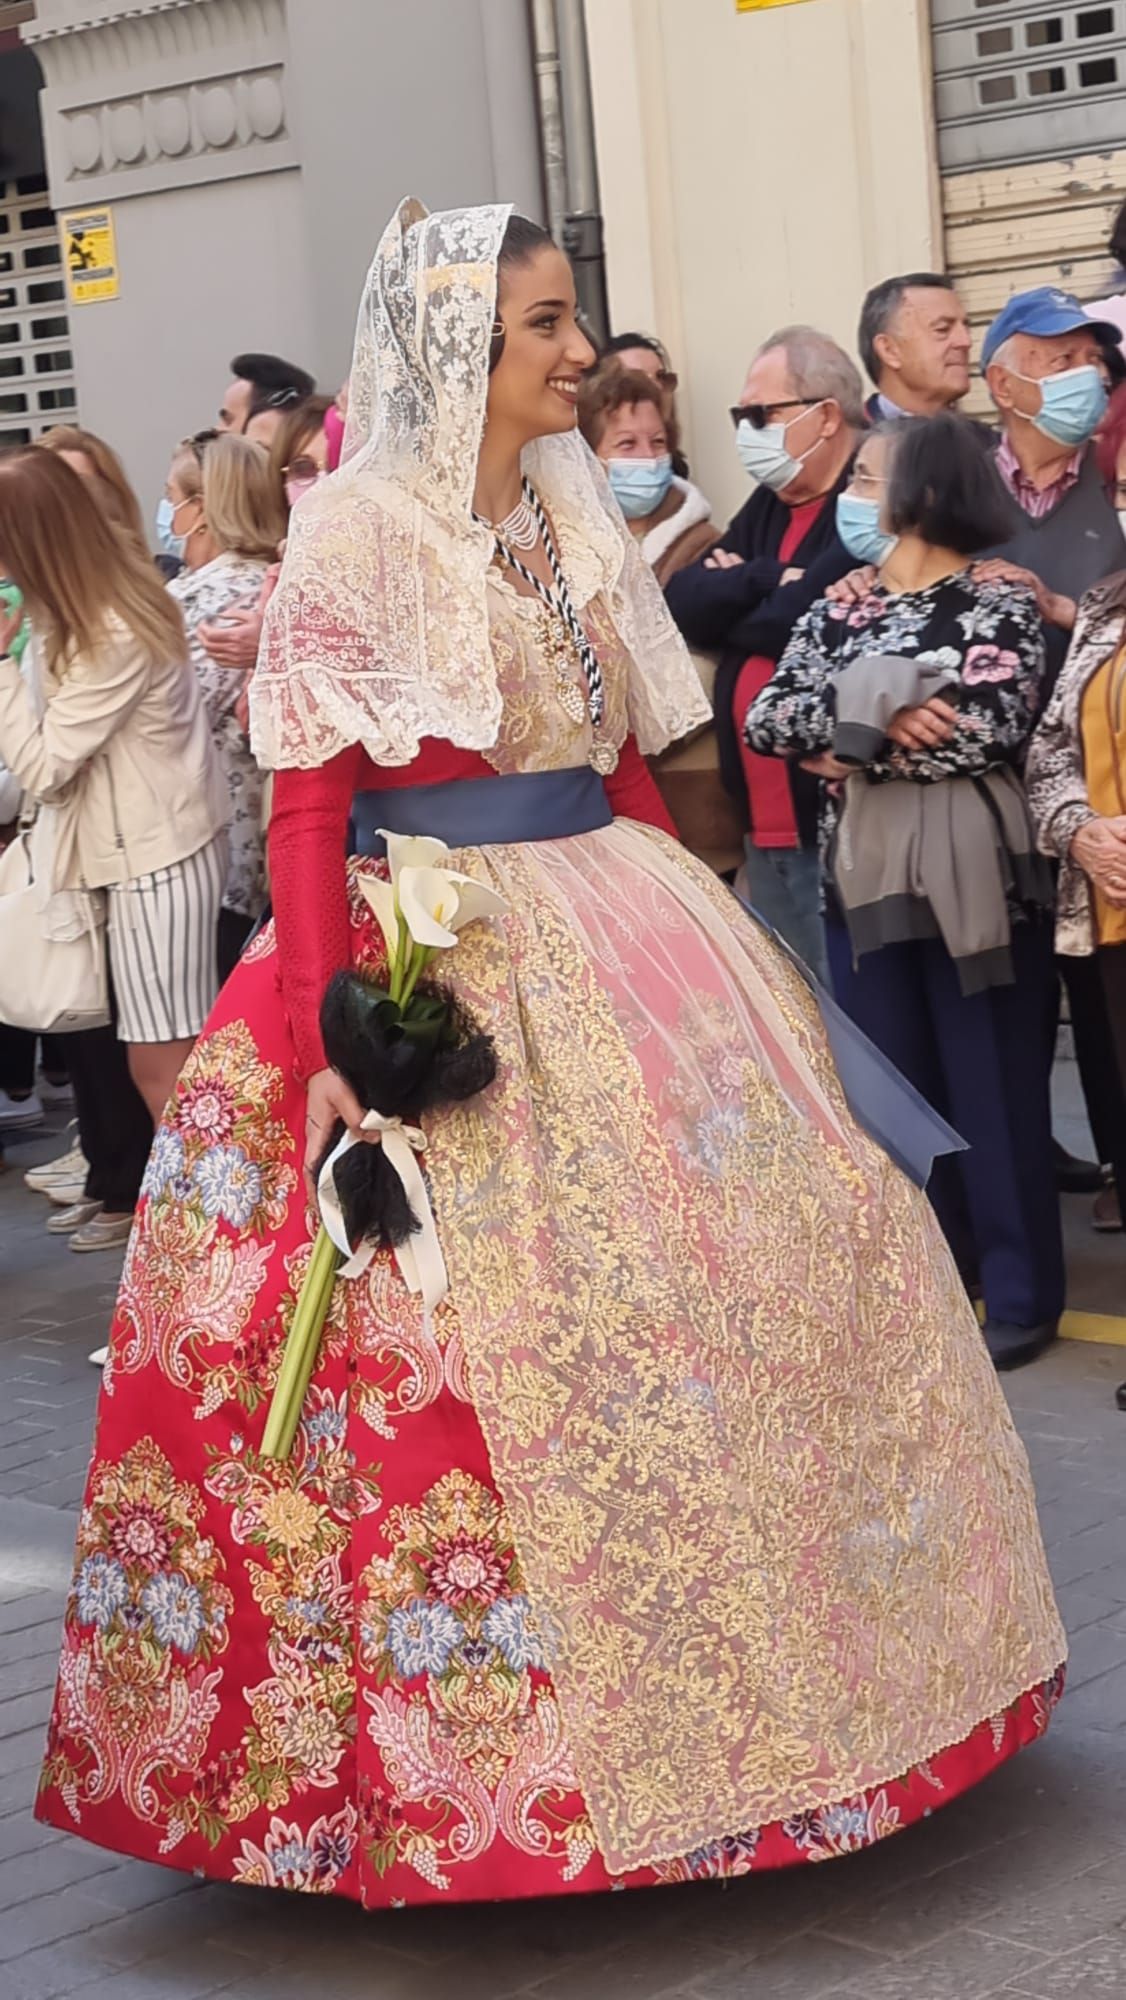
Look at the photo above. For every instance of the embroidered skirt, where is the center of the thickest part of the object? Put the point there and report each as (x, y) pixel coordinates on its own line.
(691, 1537)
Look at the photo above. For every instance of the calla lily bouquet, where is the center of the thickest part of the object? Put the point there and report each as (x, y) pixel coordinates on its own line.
(403, 1047)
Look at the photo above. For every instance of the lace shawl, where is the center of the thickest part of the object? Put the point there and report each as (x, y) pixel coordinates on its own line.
(378, 632)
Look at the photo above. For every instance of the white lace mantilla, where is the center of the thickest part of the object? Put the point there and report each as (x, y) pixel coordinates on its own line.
(378, 632)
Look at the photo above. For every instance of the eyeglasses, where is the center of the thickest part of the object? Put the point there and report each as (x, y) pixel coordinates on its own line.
(301, 468)
(758, 415)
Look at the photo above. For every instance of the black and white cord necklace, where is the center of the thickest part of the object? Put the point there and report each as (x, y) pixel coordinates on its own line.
(603, 756)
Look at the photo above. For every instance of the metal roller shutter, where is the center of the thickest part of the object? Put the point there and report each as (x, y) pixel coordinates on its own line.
(1030, 107)
(36, 363)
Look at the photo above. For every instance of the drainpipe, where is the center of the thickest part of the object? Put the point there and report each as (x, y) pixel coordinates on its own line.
(570, 159)
(545, 45)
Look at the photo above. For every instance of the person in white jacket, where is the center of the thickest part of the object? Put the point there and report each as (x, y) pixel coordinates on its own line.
(121, 749)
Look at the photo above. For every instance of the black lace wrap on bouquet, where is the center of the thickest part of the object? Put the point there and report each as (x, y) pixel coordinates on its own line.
(400, 1064)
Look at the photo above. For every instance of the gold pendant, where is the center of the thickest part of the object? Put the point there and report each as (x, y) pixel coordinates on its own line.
(603, 758)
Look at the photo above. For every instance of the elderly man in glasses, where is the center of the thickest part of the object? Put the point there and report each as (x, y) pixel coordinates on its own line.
(797, 425)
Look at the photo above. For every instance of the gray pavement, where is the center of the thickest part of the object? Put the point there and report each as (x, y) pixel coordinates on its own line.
(1018, 1889)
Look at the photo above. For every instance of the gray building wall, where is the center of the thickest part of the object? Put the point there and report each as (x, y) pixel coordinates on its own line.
(206, 273)
(252, 151)
(433, 98)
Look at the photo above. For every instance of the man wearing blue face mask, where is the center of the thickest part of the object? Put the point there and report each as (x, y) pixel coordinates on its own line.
(1046, 366)
(797, 425)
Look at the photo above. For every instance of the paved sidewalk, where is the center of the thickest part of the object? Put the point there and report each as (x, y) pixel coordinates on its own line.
(1018, 1889)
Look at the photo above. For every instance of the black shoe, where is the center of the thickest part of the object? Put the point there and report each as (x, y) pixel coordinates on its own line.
(1015, 1346)
(1120, 1395)
(1076, 1176)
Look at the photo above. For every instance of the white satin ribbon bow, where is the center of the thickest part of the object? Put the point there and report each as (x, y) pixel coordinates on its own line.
(420, 1258)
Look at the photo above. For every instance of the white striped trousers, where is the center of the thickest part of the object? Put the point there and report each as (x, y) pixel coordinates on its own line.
(162, 933)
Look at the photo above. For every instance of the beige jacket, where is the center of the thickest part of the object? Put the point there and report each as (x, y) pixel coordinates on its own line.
(124, 753)
(683, 530)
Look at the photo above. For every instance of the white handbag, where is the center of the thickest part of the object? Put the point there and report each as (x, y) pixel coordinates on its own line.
(53, 977)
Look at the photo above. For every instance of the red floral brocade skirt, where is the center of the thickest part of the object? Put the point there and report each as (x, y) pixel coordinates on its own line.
(327, 1675)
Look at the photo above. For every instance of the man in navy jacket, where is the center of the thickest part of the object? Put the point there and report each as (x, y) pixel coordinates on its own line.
(797, 425)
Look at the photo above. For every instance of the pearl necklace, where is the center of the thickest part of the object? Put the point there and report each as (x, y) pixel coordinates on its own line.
(519, 529)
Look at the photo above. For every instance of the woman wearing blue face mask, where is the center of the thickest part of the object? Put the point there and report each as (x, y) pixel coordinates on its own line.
(621, 415)
(916, 702)
(860, 506)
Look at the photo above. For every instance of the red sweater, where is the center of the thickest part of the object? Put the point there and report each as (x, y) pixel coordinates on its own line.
(774, 820)
(308, 834)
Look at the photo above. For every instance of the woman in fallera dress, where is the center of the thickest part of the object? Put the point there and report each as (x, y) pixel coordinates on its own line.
(690, 1535)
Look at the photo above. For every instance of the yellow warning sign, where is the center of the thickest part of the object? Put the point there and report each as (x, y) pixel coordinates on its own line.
(90, 250)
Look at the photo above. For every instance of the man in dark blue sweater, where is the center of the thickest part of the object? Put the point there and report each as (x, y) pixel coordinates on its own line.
(797, 424)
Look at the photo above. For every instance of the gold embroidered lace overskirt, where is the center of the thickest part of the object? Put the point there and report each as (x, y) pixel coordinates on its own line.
(778, 1529)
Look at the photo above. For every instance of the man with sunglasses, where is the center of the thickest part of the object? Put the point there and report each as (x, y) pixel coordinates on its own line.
(262, 382)
(797, 425)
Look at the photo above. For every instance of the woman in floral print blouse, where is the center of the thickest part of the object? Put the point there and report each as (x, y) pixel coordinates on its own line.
(983, 1058)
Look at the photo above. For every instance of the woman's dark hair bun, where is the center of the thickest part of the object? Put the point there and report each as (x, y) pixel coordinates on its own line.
(521, 241)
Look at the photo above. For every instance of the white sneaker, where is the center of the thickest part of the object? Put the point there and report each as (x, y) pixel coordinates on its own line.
(68, 1219)
(64, 1194)
(67, 1167)
(18, 1112)
(99, 1357)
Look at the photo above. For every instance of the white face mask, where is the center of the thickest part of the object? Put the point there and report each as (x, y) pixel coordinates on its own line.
(764, 455)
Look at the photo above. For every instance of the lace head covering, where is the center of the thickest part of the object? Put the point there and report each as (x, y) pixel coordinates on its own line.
(378, 632)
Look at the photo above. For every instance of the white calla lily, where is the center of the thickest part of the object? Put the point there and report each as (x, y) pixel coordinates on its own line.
(423, 907)
(412, 850)
(380, 899)
(428, 901)
(475, 900)
(437, 903)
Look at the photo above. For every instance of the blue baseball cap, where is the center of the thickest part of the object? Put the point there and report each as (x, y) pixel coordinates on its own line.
(1042, 313)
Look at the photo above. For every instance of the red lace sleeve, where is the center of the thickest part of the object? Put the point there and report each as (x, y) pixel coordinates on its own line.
(633, 793)
(308, 840)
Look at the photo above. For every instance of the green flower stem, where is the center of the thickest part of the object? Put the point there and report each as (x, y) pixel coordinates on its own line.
(301, 1348)
(404, 947)
(417, 963)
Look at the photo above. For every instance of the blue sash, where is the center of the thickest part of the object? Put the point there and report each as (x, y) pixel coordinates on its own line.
(485, 812)
(883, 1102)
